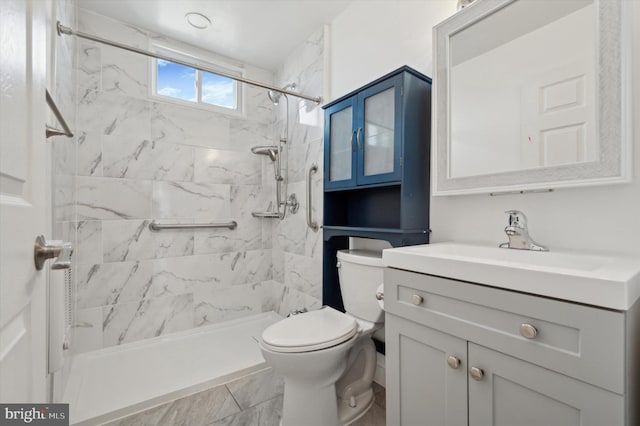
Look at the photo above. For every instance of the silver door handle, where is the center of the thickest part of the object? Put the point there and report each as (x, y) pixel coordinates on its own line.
(43, 250)
(358, 140)
(353, 141)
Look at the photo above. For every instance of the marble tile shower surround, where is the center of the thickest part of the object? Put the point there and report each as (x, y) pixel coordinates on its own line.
(141, 159)
(296, 249)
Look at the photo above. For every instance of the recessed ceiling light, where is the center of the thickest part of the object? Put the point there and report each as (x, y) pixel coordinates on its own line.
(197, 20)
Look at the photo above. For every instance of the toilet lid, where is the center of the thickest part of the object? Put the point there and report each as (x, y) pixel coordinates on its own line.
(310, 331)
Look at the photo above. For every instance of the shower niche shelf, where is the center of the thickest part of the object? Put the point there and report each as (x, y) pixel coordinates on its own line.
(377, 144)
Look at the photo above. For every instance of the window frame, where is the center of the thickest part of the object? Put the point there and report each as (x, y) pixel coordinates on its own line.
(196, 58)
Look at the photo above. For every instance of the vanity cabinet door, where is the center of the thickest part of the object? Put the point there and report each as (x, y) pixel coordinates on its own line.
(422, 387)
(515, 392)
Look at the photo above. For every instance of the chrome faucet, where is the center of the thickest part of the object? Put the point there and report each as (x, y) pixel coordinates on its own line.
(518, 233)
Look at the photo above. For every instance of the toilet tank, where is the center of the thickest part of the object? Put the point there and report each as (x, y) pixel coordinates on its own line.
(360, 273)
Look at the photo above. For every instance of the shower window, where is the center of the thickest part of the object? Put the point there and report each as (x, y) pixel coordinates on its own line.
(185, 84)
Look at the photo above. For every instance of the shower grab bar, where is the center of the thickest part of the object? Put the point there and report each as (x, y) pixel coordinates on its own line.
(310, 222)
(154, 226)
(52, 131)
(63, 30)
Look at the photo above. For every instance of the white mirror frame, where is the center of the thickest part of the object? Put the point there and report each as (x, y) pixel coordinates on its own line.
(613, 110)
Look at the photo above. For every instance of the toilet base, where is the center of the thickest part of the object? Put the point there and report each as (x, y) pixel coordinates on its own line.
(309, 406)
(323, 411)
(348, 414)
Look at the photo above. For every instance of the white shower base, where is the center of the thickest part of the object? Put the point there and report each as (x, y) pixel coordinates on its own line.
(109, 383)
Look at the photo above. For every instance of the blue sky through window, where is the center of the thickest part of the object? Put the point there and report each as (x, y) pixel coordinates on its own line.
(218, 90)
(176, 81)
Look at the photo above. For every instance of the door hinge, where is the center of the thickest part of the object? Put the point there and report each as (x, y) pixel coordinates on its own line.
(401, 91)
(401, 161)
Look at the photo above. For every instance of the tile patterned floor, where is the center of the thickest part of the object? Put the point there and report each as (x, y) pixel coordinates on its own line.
(253, 400)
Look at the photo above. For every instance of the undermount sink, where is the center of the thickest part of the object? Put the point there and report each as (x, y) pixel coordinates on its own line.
(608, 281)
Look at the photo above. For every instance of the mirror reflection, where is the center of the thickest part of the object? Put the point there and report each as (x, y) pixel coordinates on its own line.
(522, 89)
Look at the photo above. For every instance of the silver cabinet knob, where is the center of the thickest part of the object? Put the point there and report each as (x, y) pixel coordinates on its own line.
(453, 362)
(528, 331)
(380, 295)
(476, 373)
(416, 299)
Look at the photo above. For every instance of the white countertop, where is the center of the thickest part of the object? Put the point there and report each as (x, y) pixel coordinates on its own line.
(604, 280)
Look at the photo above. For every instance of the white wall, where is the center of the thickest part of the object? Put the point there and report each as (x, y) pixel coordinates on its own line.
(371, 38)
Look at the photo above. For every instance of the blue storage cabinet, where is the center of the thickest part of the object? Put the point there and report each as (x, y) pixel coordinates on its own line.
(365, 134)
(376, 168)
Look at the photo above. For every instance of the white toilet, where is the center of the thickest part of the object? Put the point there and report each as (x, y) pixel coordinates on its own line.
(328, 358)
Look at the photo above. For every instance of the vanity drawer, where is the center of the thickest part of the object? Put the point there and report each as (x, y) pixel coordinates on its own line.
(583, 342)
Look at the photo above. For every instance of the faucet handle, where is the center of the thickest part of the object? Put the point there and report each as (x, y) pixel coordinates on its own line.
(516, 217)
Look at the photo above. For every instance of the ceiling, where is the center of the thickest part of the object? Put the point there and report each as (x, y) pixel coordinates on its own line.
(257, 32)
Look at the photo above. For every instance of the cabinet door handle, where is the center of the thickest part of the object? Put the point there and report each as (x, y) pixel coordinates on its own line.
(476, 373)
(416, 299)
(358, 139)
(453, 362)
(353, 140)
(528, 331)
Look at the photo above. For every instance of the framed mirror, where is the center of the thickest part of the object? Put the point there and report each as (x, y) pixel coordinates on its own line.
(531, 95)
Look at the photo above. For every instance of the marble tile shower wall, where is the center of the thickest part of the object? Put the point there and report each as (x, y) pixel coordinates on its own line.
(141, 159)
(297, 250)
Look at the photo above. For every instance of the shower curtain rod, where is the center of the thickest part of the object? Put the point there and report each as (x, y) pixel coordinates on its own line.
(68, 31)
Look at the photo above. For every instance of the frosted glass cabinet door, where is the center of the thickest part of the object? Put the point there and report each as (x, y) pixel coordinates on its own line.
(378, 133)
(514, 392)
(341, 152)
(378, 136)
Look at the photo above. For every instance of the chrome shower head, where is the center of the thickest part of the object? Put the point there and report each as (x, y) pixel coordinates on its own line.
(275, 96)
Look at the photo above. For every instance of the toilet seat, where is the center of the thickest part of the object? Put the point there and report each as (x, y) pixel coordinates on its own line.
(310, 331)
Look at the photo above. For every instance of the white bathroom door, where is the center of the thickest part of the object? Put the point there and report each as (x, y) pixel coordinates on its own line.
(24, 205)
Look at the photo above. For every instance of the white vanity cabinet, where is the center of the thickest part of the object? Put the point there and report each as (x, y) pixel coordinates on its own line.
(459, 353)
